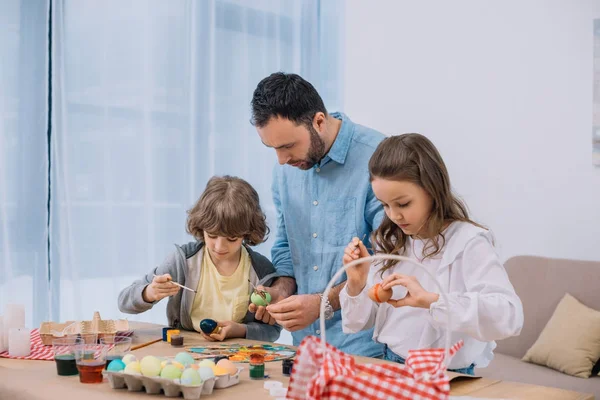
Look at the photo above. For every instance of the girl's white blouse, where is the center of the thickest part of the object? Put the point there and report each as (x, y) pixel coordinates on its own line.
(483, 304)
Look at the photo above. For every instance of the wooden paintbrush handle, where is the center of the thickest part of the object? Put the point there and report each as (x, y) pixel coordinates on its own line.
(139, 346)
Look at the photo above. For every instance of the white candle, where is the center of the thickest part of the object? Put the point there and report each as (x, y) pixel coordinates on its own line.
(14, 316)
(3, 340)
(19, 342)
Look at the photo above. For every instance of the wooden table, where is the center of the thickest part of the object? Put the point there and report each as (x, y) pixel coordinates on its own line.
(32, 380)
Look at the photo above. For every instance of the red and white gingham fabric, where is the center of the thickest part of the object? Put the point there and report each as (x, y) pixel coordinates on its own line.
(336, 376)
(38, 350)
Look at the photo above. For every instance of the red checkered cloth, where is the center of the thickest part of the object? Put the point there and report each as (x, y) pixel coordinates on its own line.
(38, 350)
(336, 376)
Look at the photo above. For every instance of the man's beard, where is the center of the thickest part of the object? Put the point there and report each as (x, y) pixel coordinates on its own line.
(316, 150)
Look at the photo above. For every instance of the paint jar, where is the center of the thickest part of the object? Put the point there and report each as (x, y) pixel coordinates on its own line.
(287, 366)
(172, 332)
(257, 366)
(164, 332)
(176, 340)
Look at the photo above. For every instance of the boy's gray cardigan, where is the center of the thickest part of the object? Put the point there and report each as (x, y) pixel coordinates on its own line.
(182, 266)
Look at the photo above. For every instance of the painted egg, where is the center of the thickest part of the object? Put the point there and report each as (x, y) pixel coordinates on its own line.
(260, 298)
(208, 326)
(133, 368)
(170, 372)
(150, 366)
(184, 358)
(379, 294)
(228, 366)
(178, 365)
(220, 371)
(191, 377)
(174, 363)
(207, 363)
(206, 373)
(127, 358)
(116, 366)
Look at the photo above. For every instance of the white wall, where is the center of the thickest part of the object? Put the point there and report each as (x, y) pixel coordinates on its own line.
(504, 89)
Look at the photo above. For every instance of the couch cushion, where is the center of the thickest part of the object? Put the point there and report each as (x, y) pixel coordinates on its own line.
(541, 283)
(509, 368)
(570, 342)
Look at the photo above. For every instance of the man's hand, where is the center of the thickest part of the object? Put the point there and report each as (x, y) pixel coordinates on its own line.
(296, 312)
(159, 288)
(229, 329)
(260, 312)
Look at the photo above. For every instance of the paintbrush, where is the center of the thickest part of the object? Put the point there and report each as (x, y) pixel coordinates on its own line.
(181, 286)
(362, 240)
(139, 346)
(251, 284)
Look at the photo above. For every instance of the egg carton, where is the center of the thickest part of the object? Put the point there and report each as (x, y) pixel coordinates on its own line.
(104, 328)
(170, 387)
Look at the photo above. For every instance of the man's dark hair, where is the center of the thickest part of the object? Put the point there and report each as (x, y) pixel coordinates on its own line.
(285, 96)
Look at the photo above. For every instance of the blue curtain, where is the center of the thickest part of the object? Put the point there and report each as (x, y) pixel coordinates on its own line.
(147, 100)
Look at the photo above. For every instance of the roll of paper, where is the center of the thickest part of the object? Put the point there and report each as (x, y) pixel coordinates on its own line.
(19, 342)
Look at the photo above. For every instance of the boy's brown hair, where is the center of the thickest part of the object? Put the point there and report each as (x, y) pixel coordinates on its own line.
(230, 207)
(414, 158)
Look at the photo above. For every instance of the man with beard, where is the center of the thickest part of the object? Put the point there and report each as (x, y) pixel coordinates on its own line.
(323, 199)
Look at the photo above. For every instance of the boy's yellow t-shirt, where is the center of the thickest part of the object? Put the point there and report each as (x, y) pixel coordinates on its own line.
(222, 298)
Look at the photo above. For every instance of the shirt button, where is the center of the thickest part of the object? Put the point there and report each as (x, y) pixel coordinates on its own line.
(318, 170)
(315, 235)
(315, 268)
(318, 332)
(315, 203)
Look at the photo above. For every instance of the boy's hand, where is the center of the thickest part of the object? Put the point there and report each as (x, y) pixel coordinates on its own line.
(260, 312)
(358, 274)
(416, 296)
(229, 329)
(159, 288)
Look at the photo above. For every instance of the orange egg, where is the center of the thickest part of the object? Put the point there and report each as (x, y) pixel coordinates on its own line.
(228, 366)
(219, 371)
(379, 294)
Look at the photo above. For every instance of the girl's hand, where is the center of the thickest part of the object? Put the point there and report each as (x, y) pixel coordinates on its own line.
(416, 296)
(159, 288)
(228, 330)
(358, 274)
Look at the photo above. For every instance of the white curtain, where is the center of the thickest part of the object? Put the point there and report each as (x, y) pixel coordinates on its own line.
(24, 157)
(150, 98)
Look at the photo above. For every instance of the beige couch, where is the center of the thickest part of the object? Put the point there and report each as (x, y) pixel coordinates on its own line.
(541, 283)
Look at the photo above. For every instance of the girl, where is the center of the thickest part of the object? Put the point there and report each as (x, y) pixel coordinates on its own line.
(220, 265)
(425, 221)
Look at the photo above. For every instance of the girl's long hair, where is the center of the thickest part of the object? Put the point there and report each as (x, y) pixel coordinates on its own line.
(412, 157)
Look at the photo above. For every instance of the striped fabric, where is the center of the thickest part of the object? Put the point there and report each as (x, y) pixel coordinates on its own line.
(336, 376)
(45, 353)
(38, 350)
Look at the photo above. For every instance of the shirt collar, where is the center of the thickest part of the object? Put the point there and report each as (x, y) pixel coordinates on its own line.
(339, 149)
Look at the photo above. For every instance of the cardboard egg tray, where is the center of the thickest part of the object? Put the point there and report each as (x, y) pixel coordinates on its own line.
(104, 328)
(170, 387)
